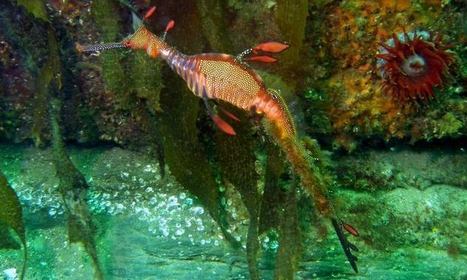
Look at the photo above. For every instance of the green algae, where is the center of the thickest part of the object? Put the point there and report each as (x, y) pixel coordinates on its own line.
(291, 17)
(11, 215)
(106, 16)
(146, 79)
(184, 150)
(317, 104)
(290, 249)
(184, 153)
(49, 73)
(73, 186)
(236, 159)
(448, 125)
(72, 183)
(213, 24)
(35, 7)
(279, 213)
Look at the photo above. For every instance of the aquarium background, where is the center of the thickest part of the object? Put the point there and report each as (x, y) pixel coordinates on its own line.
(112, 169)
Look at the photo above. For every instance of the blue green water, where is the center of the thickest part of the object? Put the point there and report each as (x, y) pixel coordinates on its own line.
(150, 228)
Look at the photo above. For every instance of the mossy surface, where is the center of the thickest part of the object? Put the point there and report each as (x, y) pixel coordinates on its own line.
(105, 14)
(146, 79)
(49, 75)
(213, 14)
(35, 7)
(291, 19)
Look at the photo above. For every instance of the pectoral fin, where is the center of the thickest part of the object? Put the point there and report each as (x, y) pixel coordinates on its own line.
(230, 115)
(223, 125)
(262, 58)
(220, 123)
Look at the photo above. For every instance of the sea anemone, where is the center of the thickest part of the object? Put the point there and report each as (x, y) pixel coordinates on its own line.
(412, 64)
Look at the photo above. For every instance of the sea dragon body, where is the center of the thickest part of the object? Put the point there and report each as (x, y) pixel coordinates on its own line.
(220, 77)
(228, 78)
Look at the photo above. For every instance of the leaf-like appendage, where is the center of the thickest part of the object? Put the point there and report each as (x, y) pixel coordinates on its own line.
(11, 213)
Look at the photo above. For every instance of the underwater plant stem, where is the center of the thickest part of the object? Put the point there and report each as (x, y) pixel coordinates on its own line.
(309, 174)
(73, 188)
(313, 182)
(288, 255)
(252, 246)
(11, 215)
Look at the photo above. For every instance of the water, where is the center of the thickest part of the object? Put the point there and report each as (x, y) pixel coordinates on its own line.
(121, 172)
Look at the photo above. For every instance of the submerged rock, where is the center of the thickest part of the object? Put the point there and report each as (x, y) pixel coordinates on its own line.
(151, 228)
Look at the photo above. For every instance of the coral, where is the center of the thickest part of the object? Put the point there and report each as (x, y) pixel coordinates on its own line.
(411, 65)
(361, 110)
(353, 99)
(448, 125)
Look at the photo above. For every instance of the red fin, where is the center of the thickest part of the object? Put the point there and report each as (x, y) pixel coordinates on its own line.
(272, 47)
(350, 229)
(169, 26)
(223, 125)
(149, 13)
(230, 115)
(262, 58)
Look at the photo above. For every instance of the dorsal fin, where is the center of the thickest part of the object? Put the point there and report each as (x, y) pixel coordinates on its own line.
(276, 95)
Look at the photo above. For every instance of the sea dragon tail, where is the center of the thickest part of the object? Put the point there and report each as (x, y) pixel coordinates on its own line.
(309, 173)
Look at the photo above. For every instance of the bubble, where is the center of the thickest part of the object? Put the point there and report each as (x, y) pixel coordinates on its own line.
(274, 245)
(52, 212)
(197, 210)
(165, 231)
(189, 201)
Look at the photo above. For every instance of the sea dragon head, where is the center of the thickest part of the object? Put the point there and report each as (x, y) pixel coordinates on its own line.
(142, 38)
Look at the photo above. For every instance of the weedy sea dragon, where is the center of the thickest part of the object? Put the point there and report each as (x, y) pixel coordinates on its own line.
(228, 78)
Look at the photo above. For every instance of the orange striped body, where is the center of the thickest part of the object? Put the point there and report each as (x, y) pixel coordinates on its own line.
(222, 77)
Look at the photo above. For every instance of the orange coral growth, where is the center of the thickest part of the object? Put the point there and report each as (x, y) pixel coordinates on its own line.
(362, 108)
(398, 5)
